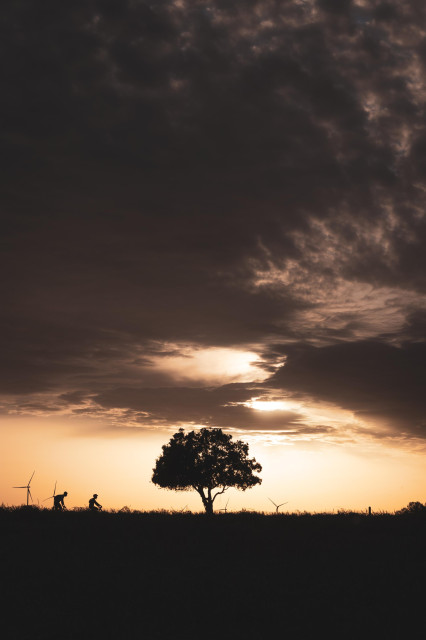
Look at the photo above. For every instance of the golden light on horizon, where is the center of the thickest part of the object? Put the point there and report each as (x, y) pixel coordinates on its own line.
(117, 464)
(306, 411)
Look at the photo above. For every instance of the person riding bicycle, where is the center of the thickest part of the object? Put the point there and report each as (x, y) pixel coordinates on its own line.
(58, 501)
(93, 504)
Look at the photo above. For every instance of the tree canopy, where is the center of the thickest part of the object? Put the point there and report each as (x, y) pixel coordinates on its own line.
(207, 461)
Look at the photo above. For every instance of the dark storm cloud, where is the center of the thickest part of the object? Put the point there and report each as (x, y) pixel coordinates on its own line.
(212, 173)
(372, 379)
(213, 407)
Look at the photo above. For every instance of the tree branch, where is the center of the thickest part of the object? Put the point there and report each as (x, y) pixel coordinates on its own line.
(200, 491)
(219, 493)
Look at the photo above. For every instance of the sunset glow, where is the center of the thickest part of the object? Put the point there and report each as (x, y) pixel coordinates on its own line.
(213, 216)
(210, 365)
(273, 405)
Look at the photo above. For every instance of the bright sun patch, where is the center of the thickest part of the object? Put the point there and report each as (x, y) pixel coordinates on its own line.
(272, 405)
(211, 364)
(310, 413)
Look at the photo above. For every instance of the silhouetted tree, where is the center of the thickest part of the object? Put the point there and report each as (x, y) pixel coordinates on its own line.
(413, 507)
(208, 461)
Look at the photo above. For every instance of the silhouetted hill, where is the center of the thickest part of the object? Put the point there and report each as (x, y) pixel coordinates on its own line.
(78, 575)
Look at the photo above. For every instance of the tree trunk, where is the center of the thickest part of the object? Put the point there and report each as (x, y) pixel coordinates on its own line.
(208, 506)
(207, 501)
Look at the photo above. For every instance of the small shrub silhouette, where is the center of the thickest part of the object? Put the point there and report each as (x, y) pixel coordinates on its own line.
(412, 508)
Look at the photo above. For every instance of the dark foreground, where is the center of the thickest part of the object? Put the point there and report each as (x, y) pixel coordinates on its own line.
(80, 575)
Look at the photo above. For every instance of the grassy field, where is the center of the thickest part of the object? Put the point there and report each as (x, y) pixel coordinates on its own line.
(76, 575)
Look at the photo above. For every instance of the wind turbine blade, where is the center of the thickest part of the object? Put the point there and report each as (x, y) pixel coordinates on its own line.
(272, 502)
(54, 490)
(31, 478)
(24, 487)
(48, 498)
(29, 493)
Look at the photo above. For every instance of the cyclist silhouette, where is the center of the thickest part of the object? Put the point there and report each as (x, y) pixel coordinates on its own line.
(58, 501)
(93, 504)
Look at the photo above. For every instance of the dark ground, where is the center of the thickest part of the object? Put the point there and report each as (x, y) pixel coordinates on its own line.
(81, 575)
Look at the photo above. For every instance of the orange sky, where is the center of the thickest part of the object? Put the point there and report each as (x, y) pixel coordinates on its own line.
(310, 476)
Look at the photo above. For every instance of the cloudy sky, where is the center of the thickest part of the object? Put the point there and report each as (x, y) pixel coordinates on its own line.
(213, 215)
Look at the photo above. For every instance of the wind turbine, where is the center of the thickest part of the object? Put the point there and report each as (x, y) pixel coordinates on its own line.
(225, 509)
(27, 487)
(54, 493)
(277, 506)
